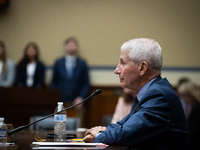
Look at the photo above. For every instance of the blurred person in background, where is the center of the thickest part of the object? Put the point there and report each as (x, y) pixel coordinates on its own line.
(30, 71)
(191, 95)
(70, 76)
(7, 68)
(186, 107)
(124, 105)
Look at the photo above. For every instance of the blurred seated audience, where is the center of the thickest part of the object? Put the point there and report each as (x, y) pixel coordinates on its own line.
(70, 76)
(30, 71)
(124, 105)
(7, 68)
(191, 95)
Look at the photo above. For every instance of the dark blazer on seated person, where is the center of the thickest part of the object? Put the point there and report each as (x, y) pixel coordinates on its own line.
(21, 76)
(159, 122)
(72, 88)
(194, 126)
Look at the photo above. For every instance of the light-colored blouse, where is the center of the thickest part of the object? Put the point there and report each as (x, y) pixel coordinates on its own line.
(7, 77)
(121, 110)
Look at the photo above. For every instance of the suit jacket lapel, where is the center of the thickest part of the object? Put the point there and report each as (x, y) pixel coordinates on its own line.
(76, 68)
(157, 79)
(63, 65)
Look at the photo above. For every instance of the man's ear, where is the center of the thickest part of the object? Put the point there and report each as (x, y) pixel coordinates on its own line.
(143, 68)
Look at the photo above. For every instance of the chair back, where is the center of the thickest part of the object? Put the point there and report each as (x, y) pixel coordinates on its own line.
(48, 124)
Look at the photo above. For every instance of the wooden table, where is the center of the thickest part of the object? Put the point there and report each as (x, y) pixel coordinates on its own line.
(25, 139)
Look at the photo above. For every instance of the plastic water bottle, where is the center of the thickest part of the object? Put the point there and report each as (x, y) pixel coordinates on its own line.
(60, 124)
(3, 129)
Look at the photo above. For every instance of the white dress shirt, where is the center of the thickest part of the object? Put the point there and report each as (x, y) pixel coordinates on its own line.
(70, 64)
(1, 66)
(30, 68)
(70, 61)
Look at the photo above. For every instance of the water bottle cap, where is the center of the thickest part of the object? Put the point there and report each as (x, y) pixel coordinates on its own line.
(60, 103)
(1, 119)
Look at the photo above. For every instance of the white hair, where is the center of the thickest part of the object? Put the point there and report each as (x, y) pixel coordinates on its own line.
(144, 49)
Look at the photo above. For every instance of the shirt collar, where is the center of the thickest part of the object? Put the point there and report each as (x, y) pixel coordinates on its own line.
(69, 57)
(144, 88)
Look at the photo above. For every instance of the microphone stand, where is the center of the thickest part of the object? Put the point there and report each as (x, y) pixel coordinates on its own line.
(25, 126)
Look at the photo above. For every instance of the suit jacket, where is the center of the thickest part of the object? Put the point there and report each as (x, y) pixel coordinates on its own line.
(159, 122)
(72, 88)
(21, 76)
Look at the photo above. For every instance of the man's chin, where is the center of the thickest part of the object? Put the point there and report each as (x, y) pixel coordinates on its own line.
(123, 85)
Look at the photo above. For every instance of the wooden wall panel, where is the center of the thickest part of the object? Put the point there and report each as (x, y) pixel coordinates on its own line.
(17, 105)
(103, 104)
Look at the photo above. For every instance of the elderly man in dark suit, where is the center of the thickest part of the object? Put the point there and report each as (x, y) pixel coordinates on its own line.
(71, 74)
(156, 120)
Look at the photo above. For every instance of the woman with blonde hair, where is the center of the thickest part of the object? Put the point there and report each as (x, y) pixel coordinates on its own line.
(7, 68)
(191, 95)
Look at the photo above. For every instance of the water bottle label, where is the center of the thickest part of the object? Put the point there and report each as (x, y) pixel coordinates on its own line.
(60, 118)
(3, 133)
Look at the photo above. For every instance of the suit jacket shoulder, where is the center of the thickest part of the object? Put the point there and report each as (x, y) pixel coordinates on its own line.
(40, 64)
(78, 60)
(60, 60)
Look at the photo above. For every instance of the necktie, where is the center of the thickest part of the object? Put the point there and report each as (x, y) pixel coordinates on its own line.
(70, 70)
(134, 105)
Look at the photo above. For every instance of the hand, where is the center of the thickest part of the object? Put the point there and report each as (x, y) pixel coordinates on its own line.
(88, 138)
(76, 101)
(91, 134)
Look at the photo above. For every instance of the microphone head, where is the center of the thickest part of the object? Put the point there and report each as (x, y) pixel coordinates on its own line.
(97, 92)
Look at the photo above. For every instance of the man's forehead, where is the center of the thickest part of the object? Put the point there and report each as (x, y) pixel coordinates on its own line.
(124, 55)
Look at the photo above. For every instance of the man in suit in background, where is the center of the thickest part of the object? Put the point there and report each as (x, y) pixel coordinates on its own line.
(156, 120)
(70, 75)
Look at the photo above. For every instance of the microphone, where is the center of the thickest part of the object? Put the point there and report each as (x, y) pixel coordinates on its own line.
(97, 92)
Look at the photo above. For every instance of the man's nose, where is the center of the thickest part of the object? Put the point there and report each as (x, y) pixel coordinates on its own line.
(117, 70)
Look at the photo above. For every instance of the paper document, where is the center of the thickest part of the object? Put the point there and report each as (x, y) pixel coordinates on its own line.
(67, 144)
